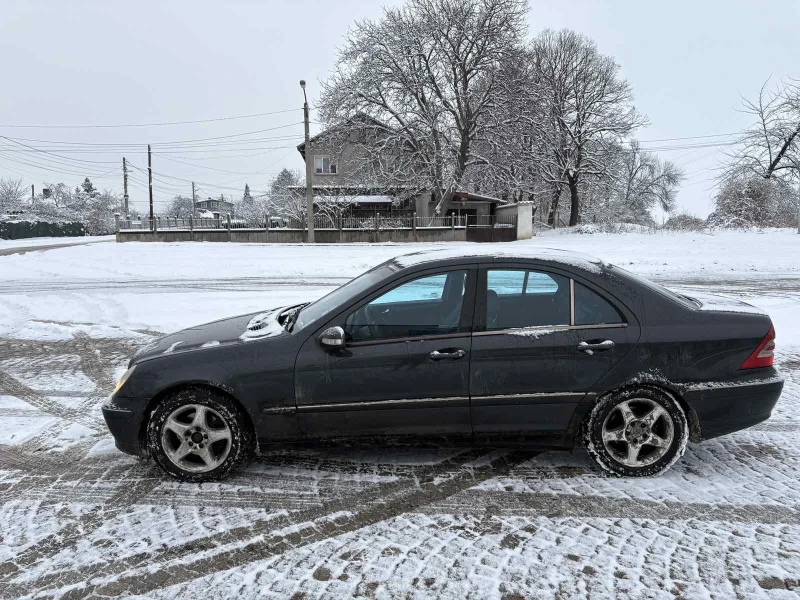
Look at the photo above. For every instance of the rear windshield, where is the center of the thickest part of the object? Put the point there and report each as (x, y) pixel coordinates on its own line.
(659, 289)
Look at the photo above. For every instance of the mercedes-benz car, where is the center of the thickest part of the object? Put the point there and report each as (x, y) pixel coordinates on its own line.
(542, 347)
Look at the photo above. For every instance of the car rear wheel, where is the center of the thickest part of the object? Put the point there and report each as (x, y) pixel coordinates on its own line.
(197, 435)
(636, 433)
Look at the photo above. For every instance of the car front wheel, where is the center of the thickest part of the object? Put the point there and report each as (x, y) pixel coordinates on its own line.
(197, 435)
(636, 433)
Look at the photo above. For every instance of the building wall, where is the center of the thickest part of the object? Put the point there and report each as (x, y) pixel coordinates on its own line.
(354, 167)
(524, 212)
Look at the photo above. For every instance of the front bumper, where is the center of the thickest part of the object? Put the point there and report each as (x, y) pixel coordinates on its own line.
(725, 407)
(123, 417)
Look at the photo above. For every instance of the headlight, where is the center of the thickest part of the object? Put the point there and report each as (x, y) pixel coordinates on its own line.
(123, 379)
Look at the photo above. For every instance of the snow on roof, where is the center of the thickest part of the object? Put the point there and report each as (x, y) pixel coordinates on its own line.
(577, 259)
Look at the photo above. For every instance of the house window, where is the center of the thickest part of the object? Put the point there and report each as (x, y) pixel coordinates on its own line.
(324, 165)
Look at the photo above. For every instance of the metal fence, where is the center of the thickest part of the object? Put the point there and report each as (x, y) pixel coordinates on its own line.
(371, 222)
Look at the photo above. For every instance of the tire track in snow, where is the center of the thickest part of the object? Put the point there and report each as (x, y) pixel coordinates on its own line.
(96, 360)
(63, 539)
(10, 386)
(120, 501)
(478, 502)
(145, 286)
(240, 546)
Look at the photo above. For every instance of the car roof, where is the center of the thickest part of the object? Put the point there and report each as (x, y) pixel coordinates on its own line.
(508, 253)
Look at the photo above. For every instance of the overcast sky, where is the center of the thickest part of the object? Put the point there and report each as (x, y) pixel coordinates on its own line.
(133, 62)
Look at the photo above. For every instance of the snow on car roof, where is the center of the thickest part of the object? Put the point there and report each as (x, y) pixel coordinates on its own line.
(568, 257)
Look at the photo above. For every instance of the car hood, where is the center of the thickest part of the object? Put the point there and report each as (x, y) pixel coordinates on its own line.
(233, 330)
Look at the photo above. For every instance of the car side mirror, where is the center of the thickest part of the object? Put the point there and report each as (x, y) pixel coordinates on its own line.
(332, 338)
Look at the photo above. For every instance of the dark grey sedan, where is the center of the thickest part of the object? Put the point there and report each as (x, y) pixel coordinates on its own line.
(548, 349)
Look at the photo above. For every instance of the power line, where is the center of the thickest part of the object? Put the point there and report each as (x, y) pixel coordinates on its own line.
(202, 166)
(45, 167)
(166, 123)
(167, 143)
(157, 176)
(693, 137)
(56, 155)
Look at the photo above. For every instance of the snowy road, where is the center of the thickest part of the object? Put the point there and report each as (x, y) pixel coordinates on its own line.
(78, 517)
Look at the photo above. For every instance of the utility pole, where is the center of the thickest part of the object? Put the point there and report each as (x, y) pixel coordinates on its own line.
(150, 180)
(33, 195)
(309, 170)
(194, 198)
(125, 185)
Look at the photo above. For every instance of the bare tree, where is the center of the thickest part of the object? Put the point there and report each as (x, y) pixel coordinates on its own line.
(12, 194)
(589, 109)
(645, 181)
(771, 145)
(59, 195)
(427, 70)
(284, 200)
(757, 185)
(181, 207)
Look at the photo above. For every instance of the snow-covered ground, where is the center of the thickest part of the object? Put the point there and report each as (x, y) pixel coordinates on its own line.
(78, 517)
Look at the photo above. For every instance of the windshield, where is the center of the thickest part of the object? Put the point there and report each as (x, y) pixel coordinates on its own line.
(658, 288)
(330, 302)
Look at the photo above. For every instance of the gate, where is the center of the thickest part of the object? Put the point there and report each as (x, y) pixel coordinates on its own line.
(492, 228)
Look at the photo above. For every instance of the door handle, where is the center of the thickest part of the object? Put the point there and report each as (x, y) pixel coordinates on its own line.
(448, 354)
(591, 348)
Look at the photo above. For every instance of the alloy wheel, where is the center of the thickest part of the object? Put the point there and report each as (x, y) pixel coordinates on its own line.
(196, 438)
(638, 432)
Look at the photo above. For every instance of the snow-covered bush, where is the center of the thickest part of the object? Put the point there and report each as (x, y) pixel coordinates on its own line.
(752, 201)
(685, 222)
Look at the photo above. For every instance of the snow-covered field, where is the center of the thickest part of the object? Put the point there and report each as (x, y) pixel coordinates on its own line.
(78, 517)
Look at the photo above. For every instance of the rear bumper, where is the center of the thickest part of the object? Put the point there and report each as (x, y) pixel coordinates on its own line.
(724, 407)
(123, 417)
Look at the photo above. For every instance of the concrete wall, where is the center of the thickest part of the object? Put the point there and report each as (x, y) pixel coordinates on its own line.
(296, 236)
(524, 212)
(524, 220)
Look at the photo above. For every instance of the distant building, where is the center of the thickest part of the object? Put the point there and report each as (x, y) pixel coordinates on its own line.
(216, 206)
(344, 173)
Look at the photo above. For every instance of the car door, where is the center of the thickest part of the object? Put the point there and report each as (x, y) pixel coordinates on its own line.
(531, 362)
(603, 331)
(405, 365)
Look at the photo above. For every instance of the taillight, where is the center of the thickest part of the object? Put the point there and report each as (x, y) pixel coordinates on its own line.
(764, 353)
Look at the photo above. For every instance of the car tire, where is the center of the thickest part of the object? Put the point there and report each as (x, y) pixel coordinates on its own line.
(637, 432)
(198, 434)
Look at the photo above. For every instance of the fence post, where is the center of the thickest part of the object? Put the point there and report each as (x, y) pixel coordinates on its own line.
(191, 228)
(155, 226)
(228, 222)
(116, 224)
(453, 226)
(341, 218)
(414, 224)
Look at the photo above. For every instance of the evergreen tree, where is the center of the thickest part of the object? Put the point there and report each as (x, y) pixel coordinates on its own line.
(247, 197)
(89, 188)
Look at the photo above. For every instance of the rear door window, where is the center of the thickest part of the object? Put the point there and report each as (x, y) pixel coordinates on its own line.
(592, 309)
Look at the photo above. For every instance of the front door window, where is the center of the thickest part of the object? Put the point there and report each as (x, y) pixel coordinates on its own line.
(429, 305)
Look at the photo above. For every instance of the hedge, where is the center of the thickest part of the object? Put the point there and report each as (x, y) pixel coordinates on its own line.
(16, 230)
